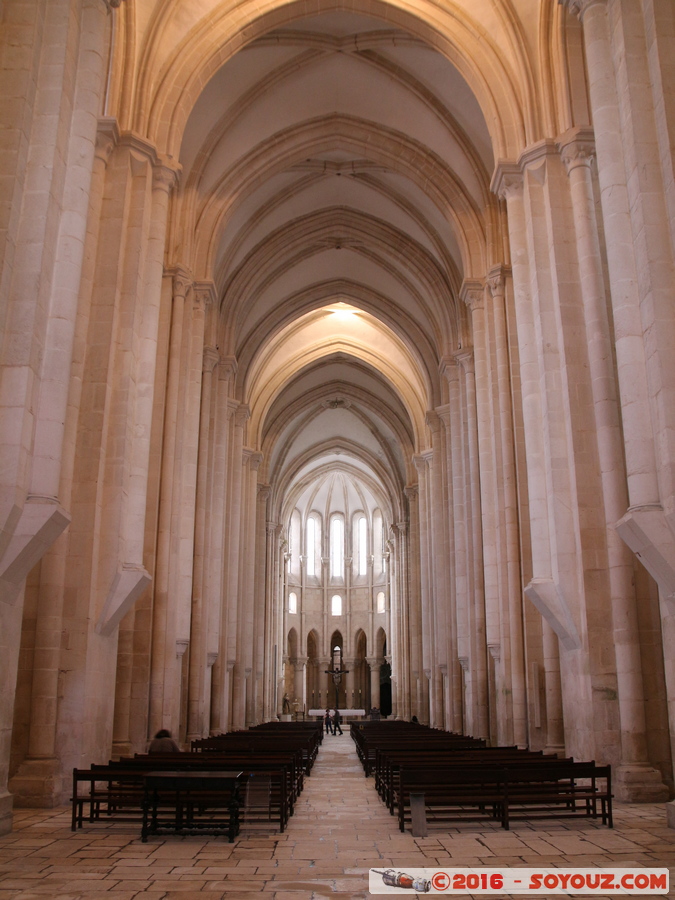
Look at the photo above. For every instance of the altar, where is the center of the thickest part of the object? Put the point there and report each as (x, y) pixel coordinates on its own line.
(345, 713)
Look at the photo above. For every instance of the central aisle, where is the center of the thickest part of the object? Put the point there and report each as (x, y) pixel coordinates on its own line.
(338, 799)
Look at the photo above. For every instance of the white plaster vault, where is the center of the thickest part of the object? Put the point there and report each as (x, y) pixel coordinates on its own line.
(262, 262)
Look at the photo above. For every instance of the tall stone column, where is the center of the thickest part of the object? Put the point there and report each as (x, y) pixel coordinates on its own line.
(508, 182)
(442, 560)
(244, 702)
(300, 682)
(375, 665)
(637, 780)
(164, 626)
(476, 718)
(217, 613)
(251, 563)
(639, 286)
(182, 589)
(415, 620)
(456, 556)
(236, 715)
(122, 576)
(399, 614)
(263, 574)
(509, 507)
(40, 277)
(350, 685)
(38, 779)
(274, 618)
(423, 465)
(555, 733)
(197, 724)
(463, 582)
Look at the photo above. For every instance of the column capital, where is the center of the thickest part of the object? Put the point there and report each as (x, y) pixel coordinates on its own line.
(374, 661)
(412, 492)
(210, 360)
(227, 368)
(264, 490)
(464, 663)
(579, 7)
(534, 156)
(164, 177)
(182, 281)
(471, 293)
(107, 138)
(495, 651)
(422, 461)
(507, 179)
(402, 527)
(577, 148)
(443, 413)
(253, 458)
(181, 647)
(496, 279)
(210, 659)
(205, 293)
(241, 415)
(433, 421)
(112, 4)
(466, 360)
(448, 368)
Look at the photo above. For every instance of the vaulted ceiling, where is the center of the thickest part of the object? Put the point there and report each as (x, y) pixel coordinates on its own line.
(335, 187)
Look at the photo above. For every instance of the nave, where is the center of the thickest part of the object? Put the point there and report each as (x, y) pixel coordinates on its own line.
(339, 830)
(337, 343)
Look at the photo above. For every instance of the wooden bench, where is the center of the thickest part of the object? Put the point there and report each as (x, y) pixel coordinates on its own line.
(389, 763)
(370, 737)
(560, 789)
(188, 802)
(284, 770)
(114, 792)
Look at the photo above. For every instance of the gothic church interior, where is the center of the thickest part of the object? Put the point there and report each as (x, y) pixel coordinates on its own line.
(336, 331)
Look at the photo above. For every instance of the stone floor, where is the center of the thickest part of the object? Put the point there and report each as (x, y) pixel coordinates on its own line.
(339, 830)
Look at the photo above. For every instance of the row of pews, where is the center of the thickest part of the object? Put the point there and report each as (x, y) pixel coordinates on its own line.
(258, 774)
(425, 775)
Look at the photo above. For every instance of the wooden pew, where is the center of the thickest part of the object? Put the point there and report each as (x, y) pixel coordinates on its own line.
(115, 791)
(389, 763)
(558, 789)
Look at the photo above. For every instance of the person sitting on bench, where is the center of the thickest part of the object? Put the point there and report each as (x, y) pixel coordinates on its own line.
(163, 743)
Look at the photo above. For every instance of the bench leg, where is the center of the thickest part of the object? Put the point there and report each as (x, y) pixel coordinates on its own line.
(418, 815)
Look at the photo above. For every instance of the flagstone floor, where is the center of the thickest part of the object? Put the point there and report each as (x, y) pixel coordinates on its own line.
(339, 831)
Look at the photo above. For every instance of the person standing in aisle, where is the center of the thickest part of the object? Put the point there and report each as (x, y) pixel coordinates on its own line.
(337, 718)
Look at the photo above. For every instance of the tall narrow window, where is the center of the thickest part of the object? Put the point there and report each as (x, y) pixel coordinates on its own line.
(378, 543)
(362, 537)
(294, 543)
(336, 605)
(380, 601)
(292, 602)
(311, 546)
(337, 547)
